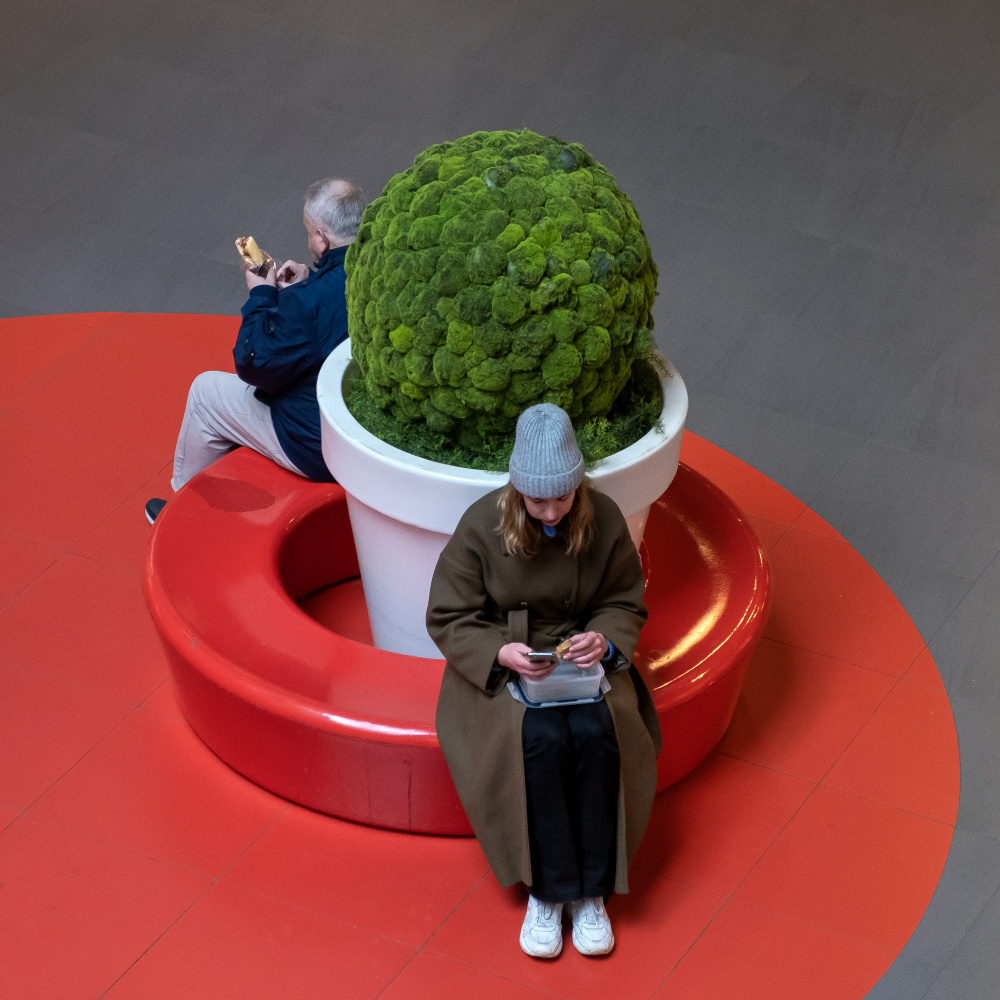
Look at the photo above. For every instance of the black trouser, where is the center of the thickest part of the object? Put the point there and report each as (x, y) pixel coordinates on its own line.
(571, 781)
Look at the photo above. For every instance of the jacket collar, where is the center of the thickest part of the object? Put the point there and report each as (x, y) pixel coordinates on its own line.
(331, 258)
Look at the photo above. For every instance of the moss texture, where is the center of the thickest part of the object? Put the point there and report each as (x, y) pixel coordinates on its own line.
(635, 412)
(501, 270)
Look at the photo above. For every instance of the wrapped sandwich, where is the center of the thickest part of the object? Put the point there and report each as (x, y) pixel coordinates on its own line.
(253, 258)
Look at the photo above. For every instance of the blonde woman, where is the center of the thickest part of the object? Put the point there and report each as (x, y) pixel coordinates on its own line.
(559, 797)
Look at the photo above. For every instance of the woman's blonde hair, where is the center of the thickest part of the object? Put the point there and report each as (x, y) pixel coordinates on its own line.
(521, 533)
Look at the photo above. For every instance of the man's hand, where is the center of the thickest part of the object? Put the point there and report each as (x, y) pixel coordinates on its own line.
(586, 649)
(253, 280)
(512, 657)
(290, 272)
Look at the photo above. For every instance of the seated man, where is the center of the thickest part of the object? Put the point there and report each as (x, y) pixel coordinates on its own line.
(292, 320)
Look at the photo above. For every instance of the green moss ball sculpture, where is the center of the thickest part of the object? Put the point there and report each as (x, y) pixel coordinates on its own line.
(501, 270)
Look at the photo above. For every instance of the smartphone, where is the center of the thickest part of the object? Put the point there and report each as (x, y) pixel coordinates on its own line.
(541, 657)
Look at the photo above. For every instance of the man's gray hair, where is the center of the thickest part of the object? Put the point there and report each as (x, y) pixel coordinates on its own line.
(335, 206)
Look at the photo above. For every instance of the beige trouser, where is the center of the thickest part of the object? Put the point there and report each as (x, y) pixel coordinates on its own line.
(222, 413)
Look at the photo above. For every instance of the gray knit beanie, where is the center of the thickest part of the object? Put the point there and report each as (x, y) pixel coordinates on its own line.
(546, 460)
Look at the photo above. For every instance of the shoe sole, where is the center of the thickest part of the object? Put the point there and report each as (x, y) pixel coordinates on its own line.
(594, 954)
(532, 954)
(150, 520)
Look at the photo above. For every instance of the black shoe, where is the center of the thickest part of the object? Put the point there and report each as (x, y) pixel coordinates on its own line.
(153, 508)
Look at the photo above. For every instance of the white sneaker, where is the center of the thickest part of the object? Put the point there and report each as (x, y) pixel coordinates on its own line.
(541, 932)
(591, 927)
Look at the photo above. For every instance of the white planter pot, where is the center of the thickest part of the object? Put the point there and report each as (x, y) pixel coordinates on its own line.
(404, 508)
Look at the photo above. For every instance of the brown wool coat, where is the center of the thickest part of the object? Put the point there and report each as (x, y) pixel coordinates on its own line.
(482, 598)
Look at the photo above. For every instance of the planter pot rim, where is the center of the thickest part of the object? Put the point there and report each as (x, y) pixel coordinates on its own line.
(433, 495)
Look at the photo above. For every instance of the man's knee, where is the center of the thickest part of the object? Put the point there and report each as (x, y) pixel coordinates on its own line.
(208, 386)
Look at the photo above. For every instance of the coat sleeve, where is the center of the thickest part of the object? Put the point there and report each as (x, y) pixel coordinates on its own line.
(276, 342)
(617, 610)
(457, 618)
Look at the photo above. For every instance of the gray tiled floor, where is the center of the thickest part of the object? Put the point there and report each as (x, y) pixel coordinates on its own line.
(819, 181)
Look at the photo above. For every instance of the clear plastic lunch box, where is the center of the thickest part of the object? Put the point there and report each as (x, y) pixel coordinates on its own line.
(566, 683)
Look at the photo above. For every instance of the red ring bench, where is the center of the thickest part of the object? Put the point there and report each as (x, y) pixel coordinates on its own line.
(335, 724)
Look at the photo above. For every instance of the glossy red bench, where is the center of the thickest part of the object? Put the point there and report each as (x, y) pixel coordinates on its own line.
(320, 716)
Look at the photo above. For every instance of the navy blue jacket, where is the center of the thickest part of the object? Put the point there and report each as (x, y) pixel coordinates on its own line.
(283, 341)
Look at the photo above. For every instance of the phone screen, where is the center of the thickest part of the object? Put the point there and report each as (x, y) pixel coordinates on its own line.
(541, 656)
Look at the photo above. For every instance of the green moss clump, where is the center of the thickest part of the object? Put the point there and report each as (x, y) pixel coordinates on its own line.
(501, 270)
(438, 436)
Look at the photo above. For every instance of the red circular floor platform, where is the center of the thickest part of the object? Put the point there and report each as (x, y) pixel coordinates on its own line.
(305, 705)
(794, 862)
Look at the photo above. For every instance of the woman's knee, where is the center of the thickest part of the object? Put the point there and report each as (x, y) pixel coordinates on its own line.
(545, 730)
(592, 726)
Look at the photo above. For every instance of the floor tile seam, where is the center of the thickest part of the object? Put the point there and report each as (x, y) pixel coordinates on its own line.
(159, 937)
(325, 915)
(822, 782)
(676, 880)
(124, 567)
(831, 931)
(952, 826)
(48, 788)
(39, 574)
(766, 850)
(74, 684)
(940, 966)
(900, 679)
(488, 972)
(951, 956)
(20, 536)
(103, 691)
(862, 441)
(166, 465)
(141, 707)
(961, 601)
(122, 848)
(766, 767)
(311, 910)
(478, 882)
(944, 966)
(847, 663)
(840, 659)
(398, 973)
(281, 812)
(785, 528)
(708, 923)
(882, 580)
(78, 539)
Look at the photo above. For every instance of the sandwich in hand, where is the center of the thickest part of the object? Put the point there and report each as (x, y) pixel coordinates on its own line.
(253, 258)
(563, 648)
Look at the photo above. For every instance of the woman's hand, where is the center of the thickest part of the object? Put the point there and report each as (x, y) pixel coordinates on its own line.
(512, 656)
(586, 649)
